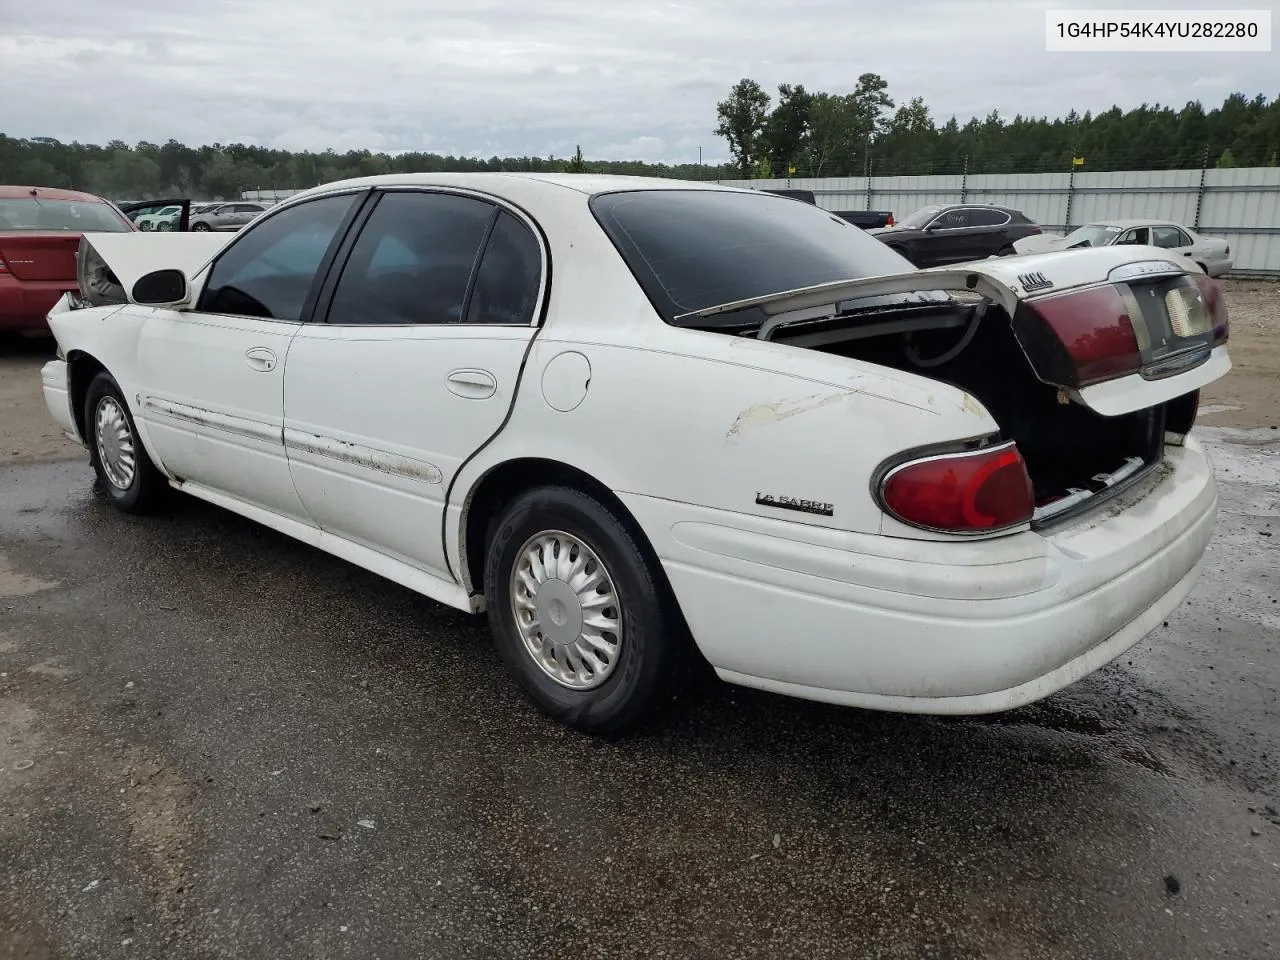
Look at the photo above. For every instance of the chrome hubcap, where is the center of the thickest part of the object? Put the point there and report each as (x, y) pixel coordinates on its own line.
(115, 443)
(567, 610)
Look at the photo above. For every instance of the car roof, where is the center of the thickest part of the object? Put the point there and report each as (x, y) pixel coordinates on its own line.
(970, 206)
(589, 184)
(1126, 224)
(46, 193)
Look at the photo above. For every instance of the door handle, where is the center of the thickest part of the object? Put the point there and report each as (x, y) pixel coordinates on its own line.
(260, 359)
(472, 384)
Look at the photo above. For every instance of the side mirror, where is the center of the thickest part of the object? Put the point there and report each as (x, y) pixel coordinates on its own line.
(160, 288)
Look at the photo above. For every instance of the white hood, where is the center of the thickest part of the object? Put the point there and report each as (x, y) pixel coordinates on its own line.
(109, 264)
(1040, 243)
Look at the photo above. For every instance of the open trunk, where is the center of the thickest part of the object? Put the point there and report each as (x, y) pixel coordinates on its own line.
(1090, 373)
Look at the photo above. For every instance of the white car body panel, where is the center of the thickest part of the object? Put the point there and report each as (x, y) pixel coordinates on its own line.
(370, 443)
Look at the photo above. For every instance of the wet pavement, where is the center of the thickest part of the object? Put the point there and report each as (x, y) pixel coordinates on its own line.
(216, 742)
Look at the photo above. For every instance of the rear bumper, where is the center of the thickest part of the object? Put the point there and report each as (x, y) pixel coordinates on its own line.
(924, 627)
(24, 303)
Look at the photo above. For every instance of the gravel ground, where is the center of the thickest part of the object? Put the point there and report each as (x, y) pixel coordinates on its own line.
(216, 742)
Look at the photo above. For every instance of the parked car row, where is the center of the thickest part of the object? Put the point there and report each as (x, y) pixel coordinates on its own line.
(942, 234)
(200, 217)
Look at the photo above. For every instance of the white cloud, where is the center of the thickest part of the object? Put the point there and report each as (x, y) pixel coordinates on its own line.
(486, 77)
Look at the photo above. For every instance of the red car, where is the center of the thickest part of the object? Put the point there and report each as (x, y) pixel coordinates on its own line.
(40, 230)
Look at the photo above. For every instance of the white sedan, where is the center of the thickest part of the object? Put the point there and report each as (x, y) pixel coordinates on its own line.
(640, 422)
(1211, 255)
(166, 218)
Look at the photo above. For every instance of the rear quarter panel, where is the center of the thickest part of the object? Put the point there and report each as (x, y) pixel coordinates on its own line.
(705, 418)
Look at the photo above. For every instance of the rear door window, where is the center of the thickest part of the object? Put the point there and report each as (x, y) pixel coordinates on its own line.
(987, 217)
(1169, 237)
(413, 261)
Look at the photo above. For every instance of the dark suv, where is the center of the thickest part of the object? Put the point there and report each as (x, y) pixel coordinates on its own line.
(957, 233)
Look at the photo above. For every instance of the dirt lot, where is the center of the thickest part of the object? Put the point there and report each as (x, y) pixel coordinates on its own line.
(1247, 397)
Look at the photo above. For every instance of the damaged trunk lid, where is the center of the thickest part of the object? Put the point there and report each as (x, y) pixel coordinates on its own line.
(1090, 361)
(1115, 332)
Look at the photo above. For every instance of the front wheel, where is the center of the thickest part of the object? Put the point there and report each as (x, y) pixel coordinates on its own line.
(125, 472)
(581, 614)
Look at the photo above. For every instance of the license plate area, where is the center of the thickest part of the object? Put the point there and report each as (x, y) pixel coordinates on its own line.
(1173, 323)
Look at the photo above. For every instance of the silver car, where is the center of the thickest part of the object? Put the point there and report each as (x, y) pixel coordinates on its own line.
(226, 216)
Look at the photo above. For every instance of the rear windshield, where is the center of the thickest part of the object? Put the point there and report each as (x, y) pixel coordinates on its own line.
(78, 215)
(692, 249)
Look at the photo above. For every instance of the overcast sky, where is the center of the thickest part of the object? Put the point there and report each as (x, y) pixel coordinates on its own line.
(515, 77)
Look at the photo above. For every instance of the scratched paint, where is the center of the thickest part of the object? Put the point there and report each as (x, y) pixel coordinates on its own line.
(765, 413)
(360, 455)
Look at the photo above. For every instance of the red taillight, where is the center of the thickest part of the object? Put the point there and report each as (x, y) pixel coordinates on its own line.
(1035, 228)
(971, 492)
(1096, 331)
(889, 223)
(1217, 306)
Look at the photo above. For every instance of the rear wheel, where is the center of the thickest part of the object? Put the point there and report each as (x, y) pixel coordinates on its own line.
(1006, 251)
(125, 472)
(200, 227)
(581, 613)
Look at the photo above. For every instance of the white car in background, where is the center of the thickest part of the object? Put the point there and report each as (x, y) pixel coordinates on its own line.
(1211, 255)
(639, 421)
(164, 219)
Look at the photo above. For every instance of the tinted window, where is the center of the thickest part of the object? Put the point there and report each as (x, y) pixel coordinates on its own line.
(268, 271)
(980, 217)
(951, 220)
(413, 260)
(693, 249)
(506, 289)
(81, 216)
(1169, 237)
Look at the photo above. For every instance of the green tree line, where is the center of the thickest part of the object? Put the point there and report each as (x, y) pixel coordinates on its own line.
(222, 171)
(817, 134)
(814, 134)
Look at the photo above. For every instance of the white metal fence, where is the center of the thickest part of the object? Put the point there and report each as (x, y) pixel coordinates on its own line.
(1240, 205)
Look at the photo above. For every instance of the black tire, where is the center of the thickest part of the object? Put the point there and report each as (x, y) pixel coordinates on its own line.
(148, 488)
(200, 227)
(652, 665)
(1006, 251)
(1203, 269)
